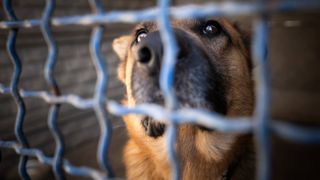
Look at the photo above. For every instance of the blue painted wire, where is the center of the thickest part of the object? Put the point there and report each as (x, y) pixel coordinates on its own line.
(99, 101)
(180, 12)
(14, 89)
(49, 76)
(170, 114)
(262, 116)
(166, 82)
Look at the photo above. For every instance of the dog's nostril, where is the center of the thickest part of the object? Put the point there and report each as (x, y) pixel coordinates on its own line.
(144, 55)
(180, 54)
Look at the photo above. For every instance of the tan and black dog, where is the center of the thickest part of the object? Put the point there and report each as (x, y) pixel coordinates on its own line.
(213, 72)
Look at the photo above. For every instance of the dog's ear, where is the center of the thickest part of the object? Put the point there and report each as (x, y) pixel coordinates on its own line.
(120, 46)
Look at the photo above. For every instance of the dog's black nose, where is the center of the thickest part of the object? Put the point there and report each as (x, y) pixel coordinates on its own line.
(149, 51)
(144, 55)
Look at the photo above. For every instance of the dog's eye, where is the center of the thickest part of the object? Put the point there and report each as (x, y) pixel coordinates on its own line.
(211, 28)
(140, 35)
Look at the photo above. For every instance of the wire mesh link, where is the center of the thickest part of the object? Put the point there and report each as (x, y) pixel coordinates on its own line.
(209, 9)
(14, 89)
(42, 158)
(101, 87)
(166, 81)
(49, 76)
(263, 95)
(260, 124)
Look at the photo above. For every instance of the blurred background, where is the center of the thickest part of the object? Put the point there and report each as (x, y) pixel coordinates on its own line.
(294, 54)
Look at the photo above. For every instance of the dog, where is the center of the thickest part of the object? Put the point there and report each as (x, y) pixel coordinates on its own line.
(213, 72)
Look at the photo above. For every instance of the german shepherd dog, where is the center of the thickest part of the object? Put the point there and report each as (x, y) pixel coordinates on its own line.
(213, 72)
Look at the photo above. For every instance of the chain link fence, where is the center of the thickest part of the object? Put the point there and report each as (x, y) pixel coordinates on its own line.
(262, 126)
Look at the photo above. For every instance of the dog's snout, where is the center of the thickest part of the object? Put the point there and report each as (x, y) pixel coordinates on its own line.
(149, 52)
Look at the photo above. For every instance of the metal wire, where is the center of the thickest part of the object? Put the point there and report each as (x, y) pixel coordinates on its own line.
(101, 87)
(210, 9)
(14, 89)
(172, 115)
(49, 76)
(263, 95)
(166, 81)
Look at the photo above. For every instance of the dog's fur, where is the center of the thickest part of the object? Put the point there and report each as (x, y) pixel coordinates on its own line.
(213, 72)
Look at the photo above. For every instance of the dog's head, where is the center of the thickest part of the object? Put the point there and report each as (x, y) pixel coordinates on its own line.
(212, 72)
(213, 68)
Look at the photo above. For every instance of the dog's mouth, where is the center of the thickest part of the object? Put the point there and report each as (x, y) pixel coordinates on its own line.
(152, 127)
(155, 129)
(196, 85)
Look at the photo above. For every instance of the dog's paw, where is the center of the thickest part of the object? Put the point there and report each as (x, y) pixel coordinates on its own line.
(153, 128)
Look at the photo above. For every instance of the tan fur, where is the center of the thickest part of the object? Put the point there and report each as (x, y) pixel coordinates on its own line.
(202, 154)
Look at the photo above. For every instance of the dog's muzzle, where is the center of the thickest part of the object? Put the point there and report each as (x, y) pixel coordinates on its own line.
(195, 79)
(149, 52)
